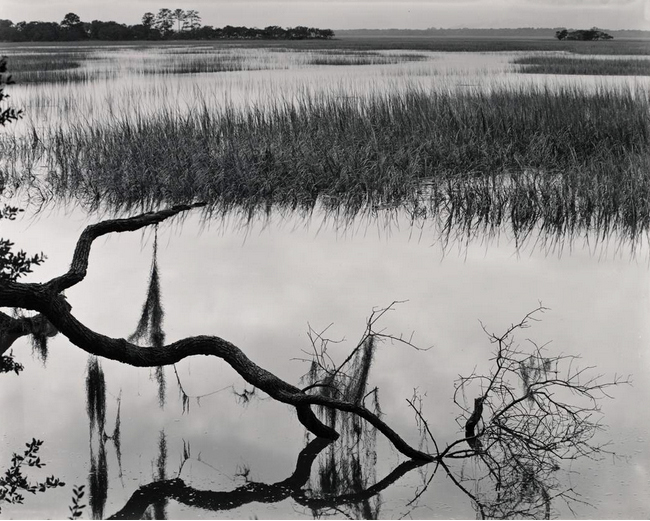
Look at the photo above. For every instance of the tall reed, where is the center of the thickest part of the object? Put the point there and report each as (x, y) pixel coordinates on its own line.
(591, 66)
(562, 160)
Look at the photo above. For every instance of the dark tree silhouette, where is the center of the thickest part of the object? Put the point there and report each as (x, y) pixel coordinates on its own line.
(583, 34)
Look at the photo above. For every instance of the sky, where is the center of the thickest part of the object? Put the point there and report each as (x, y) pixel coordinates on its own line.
(355, 14)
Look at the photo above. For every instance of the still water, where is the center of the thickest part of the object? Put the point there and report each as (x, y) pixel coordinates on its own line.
(264, 285)
(261, 288)
(124, 82)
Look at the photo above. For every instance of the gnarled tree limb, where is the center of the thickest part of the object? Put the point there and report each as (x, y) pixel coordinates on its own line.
(47, 300)
(11, 329)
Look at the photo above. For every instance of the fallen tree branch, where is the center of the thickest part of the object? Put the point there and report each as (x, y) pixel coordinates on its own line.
(47, 300)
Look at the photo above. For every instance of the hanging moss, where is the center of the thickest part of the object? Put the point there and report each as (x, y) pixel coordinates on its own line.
(159, 507)
(98, 481)
(150, 325)
(95, 395)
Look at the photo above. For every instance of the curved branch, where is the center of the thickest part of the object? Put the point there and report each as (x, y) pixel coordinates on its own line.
(47, 300)
(79, 264)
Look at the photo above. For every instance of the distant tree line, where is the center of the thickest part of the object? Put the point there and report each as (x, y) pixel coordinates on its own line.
(583, 34)
(167, 24)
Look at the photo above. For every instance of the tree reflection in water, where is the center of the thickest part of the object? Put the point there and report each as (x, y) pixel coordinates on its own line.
(96, 409)
(516, 432)
(534, 412)
(159, 508)
(348, 466)
(531, 413)
(291, 487)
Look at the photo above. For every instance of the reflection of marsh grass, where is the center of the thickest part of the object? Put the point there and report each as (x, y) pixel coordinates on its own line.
(565, 161)
(592, 66)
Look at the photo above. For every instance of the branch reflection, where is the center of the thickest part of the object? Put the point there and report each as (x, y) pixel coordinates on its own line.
(291, 487)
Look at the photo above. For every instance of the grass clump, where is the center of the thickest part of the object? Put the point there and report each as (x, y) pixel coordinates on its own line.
(204, 63)
(361, 58)
(587, 66)
(48, 67)
(562, 161)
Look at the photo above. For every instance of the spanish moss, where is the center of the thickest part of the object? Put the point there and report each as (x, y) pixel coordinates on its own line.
(150, 325)
(95, 395)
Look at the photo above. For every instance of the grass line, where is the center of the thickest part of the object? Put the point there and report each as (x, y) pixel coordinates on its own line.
(560, 161)
(587, 66)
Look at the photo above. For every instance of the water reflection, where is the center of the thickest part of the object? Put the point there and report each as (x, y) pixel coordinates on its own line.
(98, 480)
(158, 508)
(96, 408)
(330, 486)
(511, 469)
(526, 487)
(356, 498)
(116, 80)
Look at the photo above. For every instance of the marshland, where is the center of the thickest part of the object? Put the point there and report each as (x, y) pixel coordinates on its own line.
(444, 188)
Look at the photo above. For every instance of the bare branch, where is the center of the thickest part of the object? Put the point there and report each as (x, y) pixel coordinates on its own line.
(79, 264)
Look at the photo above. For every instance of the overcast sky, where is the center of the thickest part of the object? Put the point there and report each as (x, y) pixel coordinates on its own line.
(341, 14)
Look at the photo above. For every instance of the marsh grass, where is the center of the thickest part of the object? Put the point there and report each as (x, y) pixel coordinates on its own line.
(563, 161)
(62, 67)
(457, 44)
(361, 58)
(589, 66)
(49, 67)
(42, 68)
(207, 62)
(228, 60)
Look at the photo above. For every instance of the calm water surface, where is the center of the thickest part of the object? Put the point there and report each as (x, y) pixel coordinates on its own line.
(126, 82)
(262, 287)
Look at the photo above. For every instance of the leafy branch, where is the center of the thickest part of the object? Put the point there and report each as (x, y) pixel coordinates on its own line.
(14, 483)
